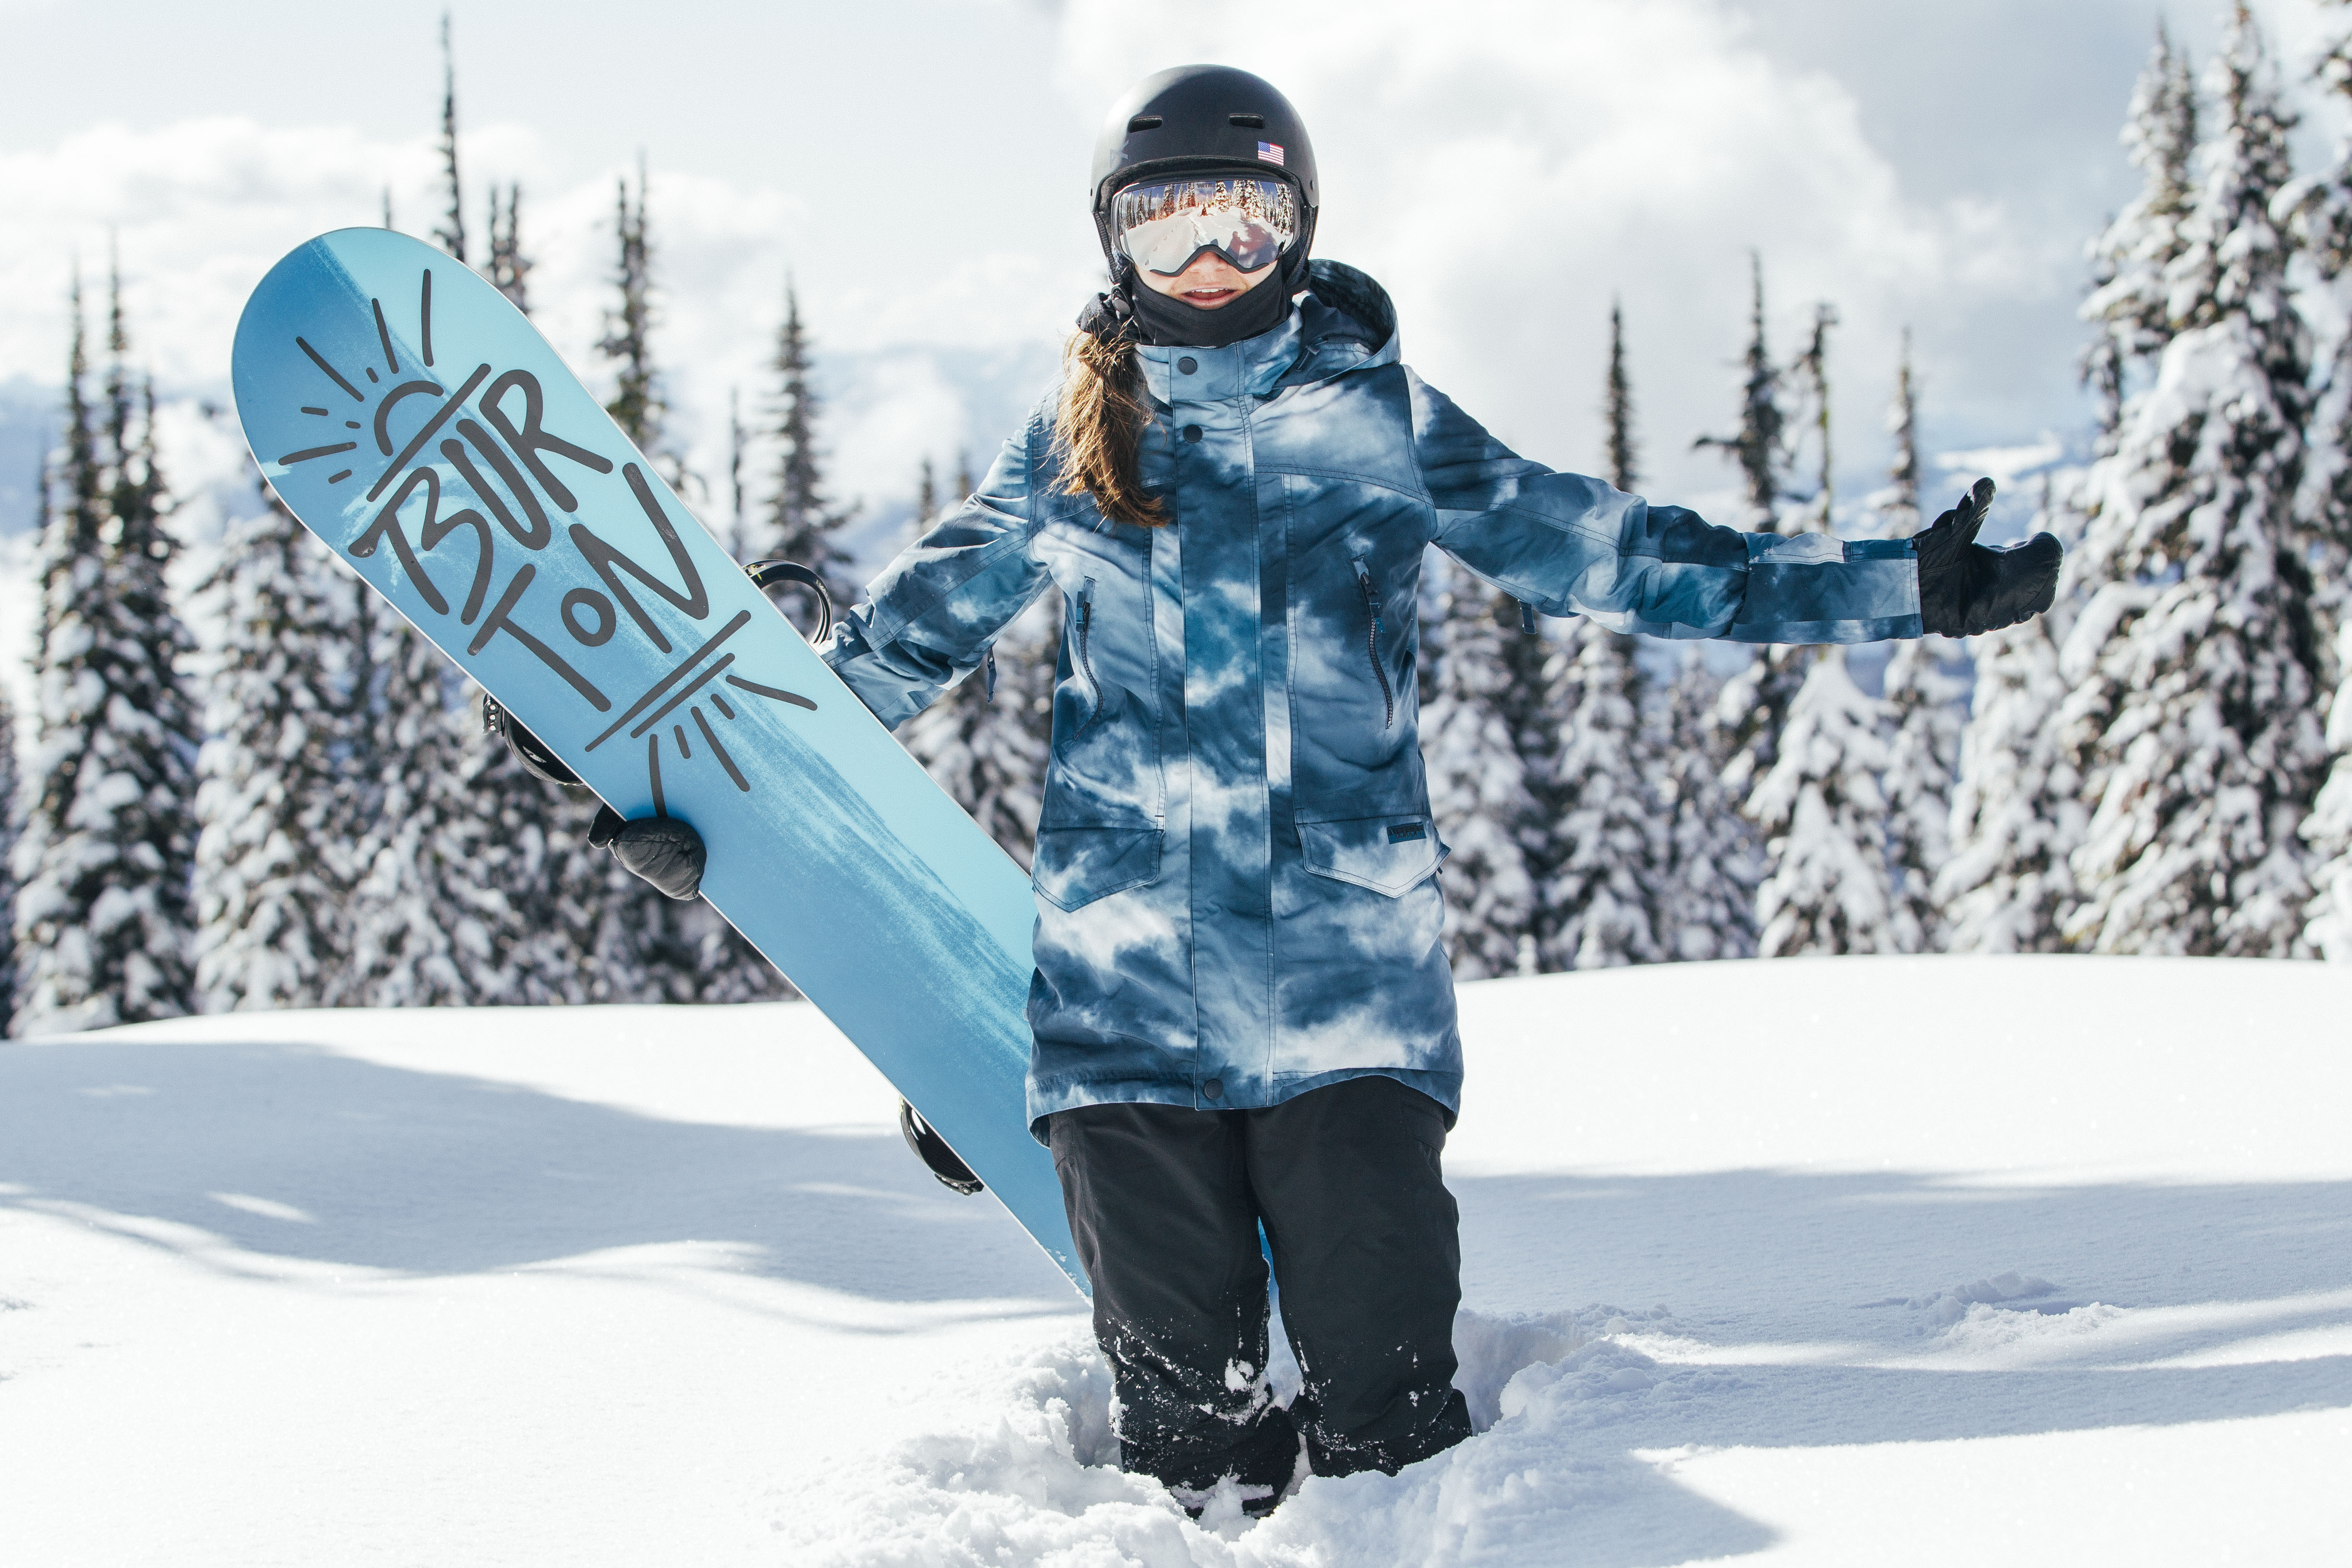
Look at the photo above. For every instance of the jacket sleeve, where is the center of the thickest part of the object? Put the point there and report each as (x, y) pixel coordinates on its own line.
(931, 615)
(1571, 545)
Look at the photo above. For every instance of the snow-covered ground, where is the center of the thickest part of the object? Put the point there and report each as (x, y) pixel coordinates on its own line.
(1847, 1260)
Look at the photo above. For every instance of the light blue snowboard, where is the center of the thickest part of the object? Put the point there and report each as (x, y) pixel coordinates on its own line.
(415, 420)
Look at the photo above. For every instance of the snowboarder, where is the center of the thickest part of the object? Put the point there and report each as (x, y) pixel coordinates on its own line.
(1243, 1015)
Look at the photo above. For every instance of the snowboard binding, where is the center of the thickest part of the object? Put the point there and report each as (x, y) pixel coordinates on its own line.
(766, 574)
(538, 759)
(933, 1152)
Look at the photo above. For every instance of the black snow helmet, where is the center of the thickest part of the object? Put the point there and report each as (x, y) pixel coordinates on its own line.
(1206, 118)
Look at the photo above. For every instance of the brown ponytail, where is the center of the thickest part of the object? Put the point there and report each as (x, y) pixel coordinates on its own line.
(1099, 425)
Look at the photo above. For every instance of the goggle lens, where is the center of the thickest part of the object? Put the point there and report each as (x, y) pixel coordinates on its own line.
(1164, 225)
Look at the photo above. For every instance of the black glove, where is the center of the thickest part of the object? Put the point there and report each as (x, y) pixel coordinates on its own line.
(1966, 587)
(662, 849)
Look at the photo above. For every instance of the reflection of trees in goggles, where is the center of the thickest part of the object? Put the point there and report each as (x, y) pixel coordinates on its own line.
(1165, 226)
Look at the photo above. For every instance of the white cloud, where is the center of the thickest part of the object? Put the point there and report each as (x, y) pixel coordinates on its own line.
(1507, 170)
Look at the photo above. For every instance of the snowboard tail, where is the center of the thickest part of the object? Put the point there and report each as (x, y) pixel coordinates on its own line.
(416, 421)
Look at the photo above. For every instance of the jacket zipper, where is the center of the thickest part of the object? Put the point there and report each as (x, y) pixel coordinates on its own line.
(1085, 627)
(1372, 642)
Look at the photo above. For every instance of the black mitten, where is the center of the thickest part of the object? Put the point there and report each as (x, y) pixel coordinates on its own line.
(1966, 588)
(662, 849)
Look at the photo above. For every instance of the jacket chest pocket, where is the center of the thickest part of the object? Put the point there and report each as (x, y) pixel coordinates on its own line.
(1389, 855)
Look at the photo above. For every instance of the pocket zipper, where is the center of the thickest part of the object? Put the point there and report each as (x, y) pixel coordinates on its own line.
(1085, 627)
(1372, 642)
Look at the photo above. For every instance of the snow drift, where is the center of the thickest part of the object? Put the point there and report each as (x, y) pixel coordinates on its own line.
(1819, 1259)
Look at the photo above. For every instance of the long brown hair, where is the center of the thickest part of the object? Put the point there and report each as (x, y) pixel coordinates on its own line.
(1098, 424)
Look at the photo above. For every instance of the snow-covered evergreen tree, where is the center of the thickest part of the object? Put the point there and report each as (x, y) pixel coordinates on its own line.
(510, 266)
(272, 876)
(451, 235)
(988, 751)
(1801, 791)
(1619, 450)
(1478, 787)
(804, 524)
(1707, 899)
(1758, 447)
(1609, 827)
(2328, 828)
(1742, 726)
(926, 501)
(2321, 215)
(2130, 297)
(102, 921)
(1593, 763)
(1811, 371)
(2018, 804)
(1927, 692)
(1823, 814)
(2028, 774)
(428, 926)
(638, 406)
(9, 833)
(2203, 626)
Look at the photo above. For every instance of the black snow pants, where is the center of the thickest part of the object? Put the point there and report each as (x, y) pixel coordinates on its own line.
(1165, 1203)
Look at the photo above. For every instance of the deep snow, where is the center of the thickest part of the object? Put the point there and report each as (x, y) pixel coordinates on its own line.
(1817, 1261)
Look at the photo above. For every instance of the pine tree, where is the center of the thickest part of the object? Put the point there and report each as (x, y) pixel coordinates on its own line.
(739, 526)
(1927, 690)
(2129, 300)
(1601, 894)
(926, 501)
(451, 235)
(2329, 830)
(1707, 899)
(427, 928)
(1617, 451)
(2041, 698)
(2018, 806)
(637, 406)
(1478, 789)
(1757, 447)
(987, 749)
(102, 922)
(8, 835)
(802, 524)
(1823, 814)
(2213, 754)
(1592, 760)
(1812, 373)
(510, 268)
(2322, 220)
(272, 877)
(1753, 707)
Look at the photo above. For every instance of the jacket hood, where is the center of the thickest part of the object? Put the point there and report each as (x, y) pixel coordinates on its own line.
(1346, 321)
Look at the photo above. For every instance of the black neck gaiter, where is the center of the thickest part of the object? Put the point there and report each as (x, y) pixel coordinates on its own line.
(1169, 322)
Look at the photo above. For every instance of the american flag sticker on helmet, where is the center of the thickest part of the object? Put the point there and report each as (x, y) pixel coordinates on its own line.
(1269, 152)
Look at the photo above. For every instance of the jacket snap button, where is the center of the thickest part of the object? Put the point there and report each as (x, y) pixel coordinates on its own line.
(1192, 431)
(1215, 1089)
(1188, 364)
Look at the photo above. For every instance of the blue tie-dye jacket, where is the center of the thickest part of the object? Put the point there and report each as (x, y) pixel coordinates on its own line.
(1235, 866)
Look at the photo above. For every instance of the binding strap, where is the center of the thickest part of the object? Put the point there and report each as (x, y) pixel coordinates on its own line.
(765, 574)
(933, 1152)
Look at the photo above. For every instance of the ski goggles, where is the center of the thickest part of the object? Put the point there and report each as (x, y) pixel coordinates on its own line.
(1164, 225)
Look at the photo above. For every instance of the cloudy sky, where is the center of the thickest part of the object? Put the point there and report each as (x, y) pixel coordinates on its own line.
(919, 167)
